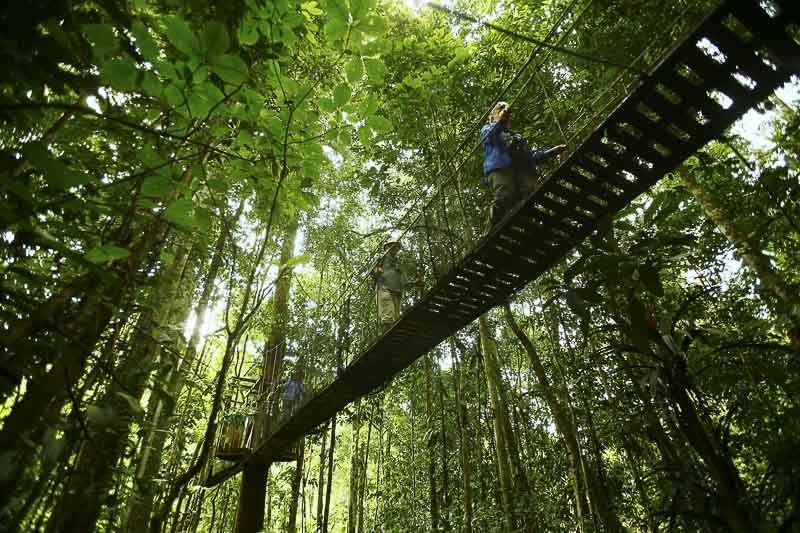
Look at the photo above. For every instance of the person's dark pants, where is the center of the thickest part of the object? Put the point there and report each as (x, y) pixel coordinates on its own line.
(505, 192)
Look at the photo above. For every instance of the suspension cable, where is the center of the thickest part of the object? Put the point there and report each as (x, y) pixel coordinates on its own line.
(566, 51)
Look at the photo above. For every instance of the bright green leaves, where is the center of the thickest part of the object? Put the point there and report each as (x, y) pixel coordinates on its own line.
(380, 124)
(248, 32)
(106, 253)
(182, 37)
(341, 94)
(144, 41)
(414, 83)
(57, 174)
(376, 70)
(184, 215)
(180, 213)
(338, 19)
(462, 54)
(203, 98)
(230, 68)
(354, 70)
(311, 8)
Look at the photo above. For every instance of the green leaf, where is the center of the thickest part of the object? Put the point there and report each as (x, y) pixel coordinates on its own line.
(181, 213)
(335, 30)
(365, 135)
(57, 174)
(376, 70)
(215, 38)
(230, 68)
(327, 105)
(157, 187)
(354, 70)
(144, 41)
(248, 33)
(106, 253)
(380, 124)
(311, 8)
(120, 73)
(369, 105)
(104, 42)
(151, 85)
(167, 257)
(414, 83)
(182, 37)
(341, 94)
(173, 95)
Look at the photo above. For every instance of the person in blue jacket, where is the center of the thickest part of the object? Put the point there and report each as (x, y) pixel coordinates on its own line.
(508, 162)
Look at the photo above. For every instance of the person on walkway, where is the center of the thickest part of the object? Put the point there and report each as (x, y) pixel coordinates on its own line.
(388, 282)
(292, 394)
(508, 162)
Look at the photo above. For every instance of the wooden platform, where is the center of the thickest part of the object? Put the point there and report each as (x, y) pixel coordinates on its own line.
(667, 117)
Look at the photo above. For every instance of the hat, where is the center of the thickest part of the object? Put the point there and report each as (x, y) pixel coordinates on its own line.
(390, 244)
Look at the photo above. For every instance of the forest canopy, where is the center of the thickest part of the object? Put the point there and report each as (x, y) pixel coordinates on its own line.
(198, 202)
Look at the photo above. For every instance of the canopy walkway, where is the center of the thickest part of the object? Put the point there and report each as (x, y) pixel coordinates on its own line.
(735, 57)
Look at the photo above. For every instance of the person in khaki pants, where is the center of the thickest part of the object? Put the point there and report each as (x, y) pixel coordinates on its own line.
(388, 285)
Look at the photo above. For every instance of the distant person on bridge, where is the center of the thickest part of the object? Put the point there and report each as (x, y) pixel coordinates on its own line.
(508, 162)
(292, 394)
(388, 285)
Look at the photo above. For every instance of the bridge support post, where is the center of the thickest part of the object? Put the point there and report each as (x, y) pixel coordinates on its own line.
(252, 494)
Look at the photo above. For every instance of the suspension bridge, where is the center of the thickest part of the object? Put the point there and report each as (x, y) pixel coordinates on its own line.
(735, 57)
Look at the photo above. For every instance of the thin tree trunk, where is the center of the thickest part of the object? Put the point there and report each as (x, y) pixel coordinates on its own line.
(462, 418)
(329, 484)
(500, 417)
(321, 481)
(355, 472)
(295, 491)
(431, 432)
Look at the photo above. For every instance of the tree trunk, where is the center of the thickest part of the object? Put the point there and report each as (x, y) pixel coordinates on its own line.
(295, 493)
(492, 374)
(328, 488)
(464, 430)
(321, 481)
(431, 432)
(355, 472)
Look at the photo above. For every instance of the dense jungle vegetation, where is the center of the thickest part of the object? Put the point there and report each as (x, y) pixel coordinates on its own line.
(192, 194)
